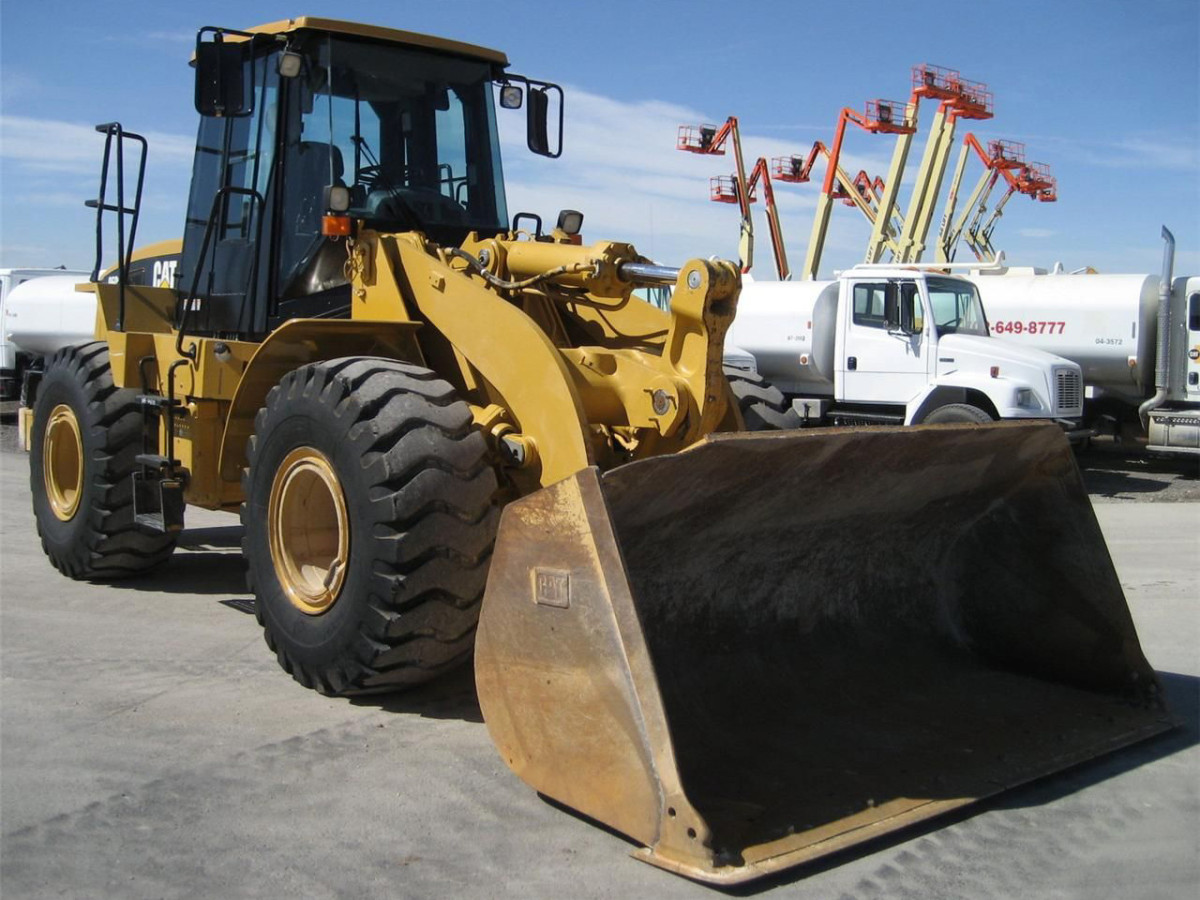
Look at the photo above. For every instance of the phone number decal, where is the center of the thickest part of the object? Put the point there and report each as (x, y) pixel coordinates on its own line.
(1029, 327)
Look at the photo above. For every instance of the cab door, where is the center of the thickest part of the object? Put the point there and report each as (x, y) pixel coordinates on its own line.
(883, 357)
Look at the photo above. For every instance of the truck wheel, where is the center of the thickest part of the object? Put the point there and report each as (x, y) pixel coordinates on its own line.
(958, 414)
(763, 405)
(369, 524)
(86, 435)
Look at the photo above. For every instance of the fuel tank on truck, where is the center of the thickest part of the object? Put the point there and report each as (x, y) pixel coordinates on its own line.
(1105, 323)
(789, 328)
(46, 314)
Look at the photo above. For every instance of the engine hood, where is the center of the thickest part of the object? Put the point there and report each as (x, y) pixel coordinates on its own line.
(963, 347)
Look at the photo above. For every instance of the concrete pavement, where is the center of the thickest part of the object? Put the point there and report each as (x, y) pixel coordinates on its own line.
(151, 747)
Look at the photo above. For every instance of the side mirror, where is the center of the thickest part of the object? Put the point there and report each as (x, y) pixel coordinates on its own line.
(538, 114)
(891, 307)
(536, 122)
(220, 78)
(908, 316)
(900, 309)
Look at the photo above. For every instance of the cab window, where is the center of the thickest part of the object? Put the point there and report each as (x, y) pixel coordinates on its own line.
(870, 304)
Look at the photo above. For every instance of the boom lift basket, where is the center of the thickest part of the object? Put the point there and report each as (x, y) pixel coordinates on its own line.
(769, 648)
(790, 169)
(724, 189)
(699, 139)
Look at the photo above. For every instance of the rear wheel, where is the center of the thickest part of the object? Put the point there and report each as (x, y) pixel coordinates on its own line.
(958, 414)
(86, 435)
(369, 524)
(763, 406)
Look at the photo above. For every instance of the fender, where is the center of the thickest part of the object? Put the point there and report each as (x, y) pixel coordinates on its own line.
(992, 395)
(298, 343)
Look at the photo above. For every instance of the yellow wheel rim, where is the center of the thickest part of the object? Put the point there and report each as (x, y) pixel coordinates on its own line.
(309, 531)
(62, 462)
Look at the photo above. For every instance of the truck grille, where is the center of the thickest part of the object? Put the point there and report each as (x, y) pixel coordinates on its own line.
(1068, 391)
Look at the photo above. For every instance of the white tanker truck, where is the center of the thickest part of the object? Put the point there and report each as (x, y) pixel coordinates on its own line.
(41, 312)
(19, 283)
(890, 344)
(1137, 344)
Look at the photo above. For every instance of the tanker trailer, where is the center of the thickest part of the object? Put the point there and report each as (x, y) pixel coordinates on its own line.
(1138, 345)
(13, 358)
(45, 314)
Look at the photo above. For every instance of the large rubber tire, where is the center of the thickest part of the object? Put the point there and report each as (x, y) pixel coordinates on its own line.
(958, 414)
(763, 405)
(86, 435)
(370, 516)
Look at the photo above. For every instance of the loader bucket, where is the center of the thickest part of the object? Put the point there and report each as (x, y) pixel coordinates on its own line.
(769, 648)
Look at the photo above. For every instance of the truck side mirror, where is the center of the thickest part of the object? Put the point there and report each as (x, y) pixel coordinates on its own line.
(908, 317)
(899, 309)
(891, 307)
(220, 81)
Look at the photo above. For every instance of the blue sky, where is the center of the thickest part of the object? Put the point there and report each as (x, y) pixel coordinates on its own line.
(1107, 92)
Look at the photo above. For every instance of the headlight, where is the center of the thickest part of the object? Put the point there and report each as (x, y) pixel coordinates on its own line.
(1027, 399)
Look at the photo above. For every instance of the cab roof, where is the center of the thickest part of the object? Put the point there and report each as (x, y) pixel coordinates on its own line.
(375, 32)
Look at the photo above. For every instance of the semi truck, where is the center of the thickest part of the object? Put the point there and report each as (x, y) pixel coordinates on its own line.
(1136, 338)
(13, 284)
(894, 345)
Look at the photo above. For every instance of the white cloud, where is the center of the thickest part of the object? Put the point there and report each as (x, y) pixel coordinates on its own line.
(52, 146)
(621, 168)
(1166, 152)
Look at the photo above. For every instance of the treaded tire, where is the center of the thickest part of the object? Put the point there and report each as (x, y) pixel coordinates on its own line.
(958, 414)
(419, 509)
(99, 539)
(763, 405)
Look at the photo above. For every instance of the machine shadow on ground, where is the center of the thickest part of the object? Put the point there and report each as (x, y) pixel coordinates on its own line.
(1183, 702)
(205, 561)
(450, 697)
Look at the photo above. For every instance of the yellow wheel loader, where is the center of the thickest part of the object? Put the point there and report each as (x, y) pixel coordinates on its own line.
(449, 434)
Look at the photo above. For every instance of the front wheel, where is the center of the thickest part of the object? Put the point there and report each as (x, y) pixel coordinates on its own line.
(958, 414)
(369, 524)
(86, 435)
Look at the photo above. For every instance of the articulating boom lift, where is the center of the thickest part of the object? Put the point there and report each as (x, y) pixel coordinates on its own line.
(737, 188)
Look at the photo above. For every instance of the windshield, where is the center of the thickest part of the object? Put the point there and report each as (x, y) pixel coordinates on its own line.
(411, 133)
(956, 307)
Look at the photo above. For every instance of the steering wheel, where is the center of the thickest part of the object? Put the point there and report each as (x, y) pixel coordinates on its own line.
(422, 205)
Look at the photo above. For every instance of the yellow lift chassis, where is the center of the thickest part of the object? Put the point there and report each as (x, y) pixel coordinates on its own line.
(743, 651)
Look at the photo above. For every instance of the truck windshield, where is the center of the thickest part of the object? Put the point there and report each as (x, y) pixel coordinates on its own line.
(410, 132)
(956, 307)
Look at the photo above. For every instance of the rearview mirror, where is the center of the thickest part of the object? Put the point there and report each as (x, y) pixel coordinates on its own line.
(538, 114)
(907, 314)
(220, 78)
(536, 127)
(900, 309)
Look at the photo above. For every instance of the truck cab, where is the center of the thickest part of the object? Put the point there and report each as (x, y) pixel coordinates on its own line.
(895, 345)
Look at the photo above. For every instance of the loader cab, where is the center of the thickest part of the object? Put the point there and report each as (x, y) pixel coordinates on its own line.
(309, 121)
